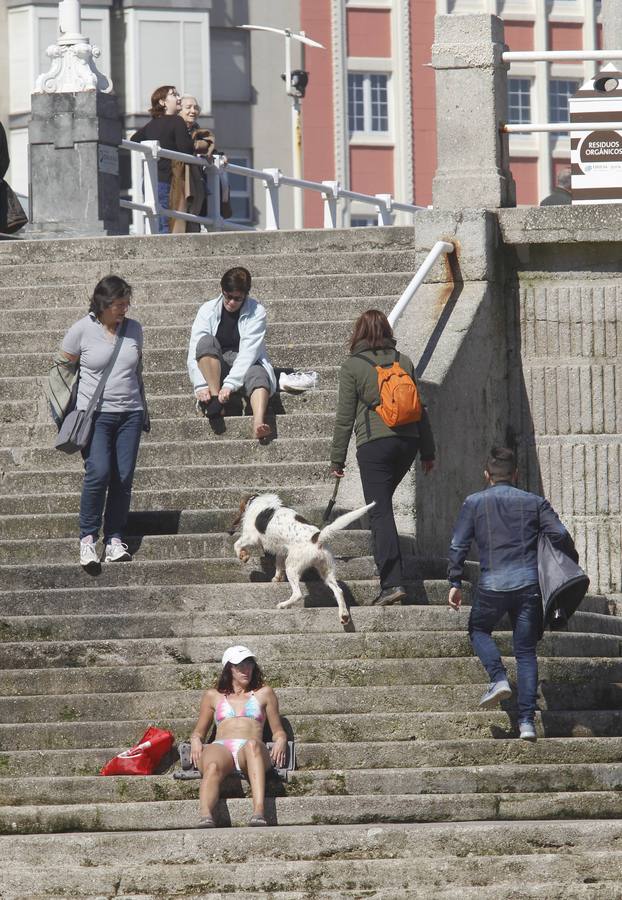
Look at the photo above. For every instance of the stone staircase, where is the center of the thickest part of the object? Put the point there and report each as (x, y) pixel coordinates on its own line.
(404, 789)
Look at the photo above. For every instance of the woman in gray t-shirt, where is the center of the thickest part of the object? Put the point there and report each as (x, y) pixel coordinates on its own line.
(110, 456)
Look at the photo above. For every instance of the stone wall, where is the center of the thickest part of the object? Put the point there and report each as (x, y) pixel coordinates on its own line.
(529, 354)
(566, 293)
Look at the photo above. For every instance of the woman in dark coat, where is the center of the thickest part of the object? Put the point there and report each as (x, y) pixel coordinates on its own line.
(384, 454)
(169, 129)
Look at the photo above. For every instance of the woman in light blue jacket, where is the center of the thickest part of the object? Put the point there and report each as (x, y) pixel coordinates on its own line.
(227, 353)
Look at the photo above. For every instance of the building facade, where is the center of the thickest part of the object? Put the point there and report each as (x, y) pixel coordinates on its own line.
(369, 113)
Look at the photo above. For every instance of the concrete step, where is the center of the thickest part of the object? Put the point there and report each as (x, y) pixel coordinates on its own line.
(365, 876)
(211, 545)
(182, 453)
(258, 471)
(505, 779)
(208, 269)
(314, 810)
(143, 571)
(186, 428)
(266, 287)
(209, 647)
(579, 673)
(185, 521)
(177, 333)
(405, 618)
(154, 704)
(173, 358)
(312, 728)
(342, 755)
(400, 842)
(183, 405)
(190, 247)
(169, 501)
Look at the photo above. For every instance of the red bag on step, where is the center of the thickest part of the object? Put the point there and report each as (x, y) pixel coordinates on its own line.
(145, 757)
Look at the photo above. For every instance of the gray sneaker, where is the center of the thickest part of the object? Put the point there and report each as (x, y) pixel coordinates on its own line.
(527, 731)
(497, 691)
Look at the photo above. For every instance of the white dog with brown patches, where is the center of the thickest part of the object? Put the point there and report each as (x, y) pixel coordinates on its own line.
(270, 527)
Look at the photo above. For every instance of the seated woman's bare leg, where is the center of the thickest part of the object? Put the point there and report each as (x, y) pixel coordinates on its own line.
(259, 405)
(215, 764)
(254, 760)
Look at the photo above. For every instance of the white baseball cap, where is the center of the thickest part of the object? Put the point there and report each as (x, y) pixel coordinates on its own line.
(235, 655)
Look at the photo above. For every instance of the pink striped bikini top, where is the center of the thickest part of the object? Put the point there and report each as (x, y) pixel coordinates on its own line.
(252, 710)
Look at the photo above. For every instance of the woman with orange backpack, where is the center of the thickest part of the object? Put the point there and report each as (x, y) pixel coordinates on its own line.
(378, 398)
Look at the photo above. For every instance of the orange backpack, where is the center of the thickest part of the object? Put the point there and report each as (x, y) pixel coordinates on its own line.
(400, 402)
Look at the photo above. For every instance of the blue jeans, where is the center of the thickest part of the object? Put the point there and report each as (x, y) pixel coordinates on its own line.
(109, 463)
(164, 193)
(524, 607)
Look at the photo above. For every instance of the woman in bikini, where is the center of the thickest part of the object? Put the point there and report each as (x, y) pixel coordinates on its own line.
(239, 705)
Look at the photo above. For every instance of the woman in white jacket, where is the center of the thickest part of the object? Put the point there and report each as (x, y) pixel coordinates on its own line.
(227, 352)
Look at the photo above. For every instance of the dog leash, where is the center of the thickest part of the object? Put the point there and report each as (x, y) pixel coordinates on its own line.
(331, 502)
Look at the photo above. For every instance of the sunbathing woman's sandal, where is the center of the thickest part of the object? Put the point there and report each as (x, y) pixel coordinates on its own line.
(189, 772)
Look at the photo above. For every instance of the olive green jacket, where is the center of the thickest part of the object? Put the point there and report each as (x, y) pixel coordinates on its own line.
(358, 390)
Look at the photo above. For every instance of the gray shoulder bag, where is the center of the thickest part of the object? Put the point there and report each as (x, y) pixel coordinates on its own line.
(75, 432)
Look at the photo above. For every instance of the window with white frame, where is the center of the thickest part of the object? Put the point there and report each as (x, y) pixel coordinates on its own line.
(240, 191)
(368, 103)
(560, 90)
(519, 100)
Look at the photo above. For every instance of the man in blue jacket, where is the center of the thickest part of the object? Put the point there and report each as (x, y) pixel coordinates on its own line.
(505, 523)
(227, 352)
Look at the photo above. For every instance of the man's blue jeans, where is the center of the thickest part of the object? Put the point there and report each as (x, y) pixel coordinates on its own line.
(109, 463)
(524, 608)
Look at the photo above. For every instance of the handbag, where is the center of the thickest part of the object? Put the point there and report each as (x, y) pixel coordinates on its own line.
(144, 757)
(16, 218)
(189, 772)
(75, 431)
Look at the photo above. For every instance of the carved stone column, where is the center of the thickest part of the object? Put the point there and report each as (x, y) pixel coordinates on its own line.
(74, 135)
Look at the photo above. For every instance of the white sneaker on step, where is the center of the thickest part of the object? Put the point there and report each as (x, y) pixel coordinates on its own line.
(89, 557)
(116, 551)
(297, 382)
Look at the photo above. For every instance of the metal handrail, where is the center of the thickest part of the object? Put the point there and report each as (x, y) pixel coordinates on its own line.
(418, 279)
(559, 55)
(273, 179)
(561, 127)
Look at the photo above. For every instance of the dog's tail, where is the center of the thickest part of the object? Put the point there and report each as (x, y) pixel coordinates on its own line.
(342, 522)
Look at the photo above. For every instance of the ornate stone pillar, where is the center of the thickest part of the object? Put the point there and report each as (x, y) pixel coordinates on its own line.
(471, 102)
(74, 135)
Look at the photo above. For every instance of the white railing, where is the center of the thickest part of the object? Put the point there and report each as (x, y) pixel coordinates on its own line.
(146, 207)
(418, 279)
(559, 55)
(561, 127)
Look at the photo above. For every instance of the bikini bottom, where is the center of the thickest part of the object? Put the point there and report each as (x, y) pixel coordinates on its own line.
(234, 745)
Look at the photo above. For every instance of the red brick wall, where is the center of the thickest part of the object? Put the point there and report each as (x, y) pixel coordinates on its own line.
(317, 107)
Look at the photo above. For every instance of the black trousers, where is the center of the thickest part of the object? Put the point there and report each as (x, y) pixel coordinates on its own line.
(383, 464)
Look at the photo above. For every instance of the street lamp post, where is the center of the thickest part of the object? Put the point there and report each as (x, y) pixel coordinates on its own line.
(294, 88)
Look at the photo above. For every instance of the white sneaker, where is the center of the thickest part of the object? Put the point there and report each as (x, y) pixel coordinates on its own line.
(297, 382)
(116, 551)
(89, 557)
